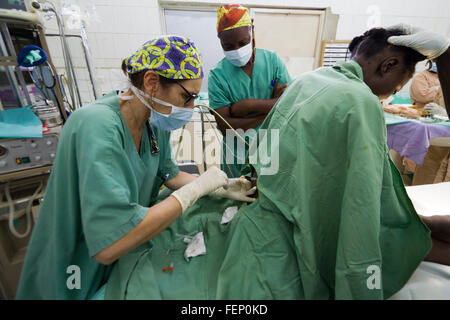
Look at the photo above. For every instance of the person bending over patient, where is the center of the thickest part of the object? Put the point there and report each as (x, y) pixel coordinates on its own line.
(341, 219)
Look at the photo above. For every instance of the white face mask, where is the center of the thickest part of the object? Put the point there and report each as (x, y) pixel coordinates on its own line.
(241, 56)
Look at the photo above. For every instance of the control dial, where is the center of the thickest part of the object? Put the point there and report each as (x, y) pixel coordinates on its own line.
(3, 151)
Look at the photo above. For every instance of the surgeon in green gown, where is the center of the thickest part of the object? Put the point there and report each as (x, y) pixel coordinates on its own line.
(244, 86)
(113, 157)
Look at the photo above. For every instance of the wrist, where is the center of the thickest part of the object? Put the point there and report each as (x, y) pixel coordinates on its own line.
(187, 195)
(218, 192)
(180, 203)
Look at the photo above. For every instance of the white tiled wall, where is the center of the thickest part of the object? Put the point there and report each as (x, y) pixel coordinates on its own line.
(117, 29)
(354, 15)
(123, 25)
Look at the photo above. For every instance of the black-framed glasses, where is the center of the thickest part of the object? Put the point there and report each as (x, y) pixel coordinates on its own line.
(192, 96)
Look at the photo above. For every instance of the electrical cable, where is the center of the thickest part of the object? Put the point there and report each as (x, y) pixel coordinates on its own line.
(72, 81)
(229, 125)
(71, 108)
(27, 212)
(203, 138)
(179, 141)
(226, 145)
(43, 86)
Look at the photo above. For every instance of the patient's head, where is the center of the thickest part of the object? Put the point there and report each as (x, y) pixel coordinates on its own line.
(387, 68)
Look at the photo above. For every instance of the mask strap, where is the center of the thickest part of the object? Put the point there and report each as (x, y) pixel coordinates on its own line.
(139, 94)
(123, 97)
(123, 84)
(139, 91)
(163, 102)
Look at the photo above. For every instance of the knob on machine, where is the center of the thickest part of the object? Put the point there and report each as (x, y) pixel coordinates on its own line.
(3, 151)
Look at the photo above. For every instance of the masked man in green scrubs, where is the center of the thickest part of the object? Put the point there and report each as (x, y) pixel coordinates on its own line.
(113, 157)
(245, 85)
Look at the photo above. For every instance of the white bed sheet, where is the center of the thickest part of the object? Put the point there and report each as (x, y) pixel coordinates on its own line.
(431, 199)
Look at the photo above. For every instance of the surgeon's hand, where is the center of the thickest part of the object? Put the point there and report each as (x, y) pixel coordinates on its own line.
(237, 189)
(209, 181)
(428, 43)
(278, 90)
(435, 109)
(435, 88)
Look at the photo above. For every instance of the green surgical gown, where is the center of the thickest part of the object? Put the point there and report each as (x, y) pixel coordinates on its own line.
(99, 189)
(229, 84)
(337, 195)
(334, 222)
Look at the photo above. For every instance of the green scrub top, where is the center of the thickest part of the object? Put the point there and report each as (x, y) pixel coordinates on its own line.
(229, 84)
(99, 189)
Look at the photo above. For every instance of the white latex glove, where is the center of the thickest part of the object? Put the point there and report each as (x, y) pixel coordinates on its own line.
(428, 43)
(209, 181)
(435, 109)
(436, 88)
(237, 189)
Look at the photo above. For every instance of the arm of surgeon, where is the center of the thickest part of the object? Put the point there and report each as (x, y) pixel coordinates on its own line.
(158, 218)
(443, 63)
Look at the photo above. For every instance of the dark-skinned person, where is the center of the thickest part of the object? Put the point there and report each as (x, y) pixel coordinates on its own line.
(337, 205)
(244, 86)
